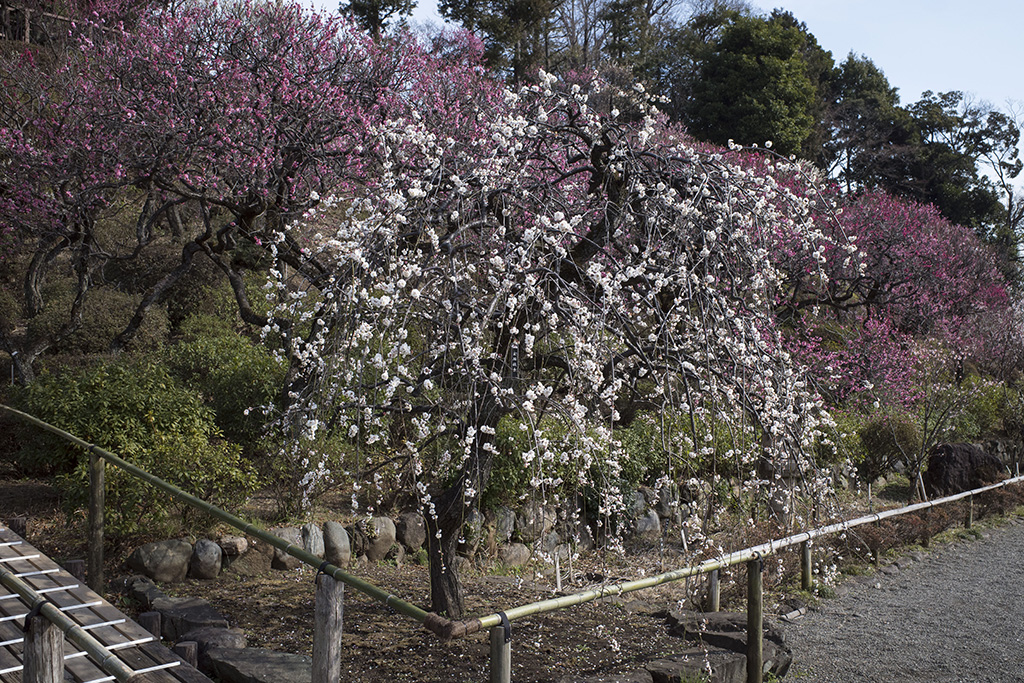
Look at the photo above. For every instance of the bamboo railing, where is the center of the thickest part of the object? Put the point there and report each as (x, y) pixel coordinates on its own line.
(499, 623)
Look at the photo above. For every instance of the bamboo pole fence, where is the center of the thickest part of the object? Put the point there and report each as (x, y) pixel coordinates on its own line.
(499, 624)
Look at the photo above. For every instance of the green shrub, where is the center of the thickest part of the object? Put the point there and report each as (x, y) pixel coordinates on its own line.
(234, 376)
(140, 413)
(887, 439)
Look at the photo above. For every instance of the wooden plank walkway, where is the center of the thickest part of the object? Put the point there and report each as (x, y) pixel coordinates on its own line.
(132, 644)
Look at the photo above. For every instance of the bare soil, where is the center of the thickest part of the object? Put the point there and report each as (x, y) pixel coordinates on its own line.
(605, 637)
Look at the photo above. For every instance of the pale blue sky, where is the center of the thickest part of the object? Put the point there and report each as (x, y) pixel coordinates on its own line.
(975, 46)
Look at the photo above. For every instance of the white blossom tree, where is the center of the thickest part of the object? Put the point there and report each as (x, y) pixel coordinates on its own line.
(558, 267)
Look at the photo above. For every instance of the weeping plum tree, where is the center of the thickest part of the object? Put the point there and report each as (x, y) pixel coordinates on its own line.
(565, 271)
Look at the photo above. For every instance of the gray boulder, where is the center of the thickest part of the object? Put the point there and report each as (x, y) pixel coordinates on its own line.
(209, 637)
(503, 521)
(642, 676)
(472, 532)
(337, 550)
(206, 560)
(255, 561)
(727, 631)
(534, 520)
(648, 528)
(233, 546)
(514, 555)
(293, 536)
(380, 536)
(313, 539)
(181, 615)
(259, 665)
(142, 590)
(691, 665)
(411, 530)
(163, 561)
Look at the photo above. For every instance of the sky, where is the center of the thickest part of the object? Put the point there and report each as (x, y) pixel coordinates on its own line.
(976, 46)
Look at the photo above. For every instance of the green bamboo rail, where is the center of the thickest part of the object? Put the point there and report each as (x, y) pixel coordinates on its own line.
(446, 628)
(301, 554)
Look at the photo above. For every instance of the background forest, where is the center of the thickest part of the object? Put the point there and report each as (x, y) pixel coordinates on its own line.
(578, 248)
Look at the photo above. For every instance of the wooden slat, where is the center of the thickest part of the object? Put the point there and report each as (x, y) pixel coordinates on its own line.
(62, 589)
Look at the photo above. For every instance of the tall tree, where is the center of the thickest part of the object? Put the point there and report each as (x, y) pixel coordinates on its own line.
(871, 138)
(374, 15)
(516, 33)
(754, 85)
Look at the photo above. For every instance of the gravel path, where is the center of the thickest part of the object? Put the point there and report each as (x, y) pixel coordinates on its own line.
(955, 613)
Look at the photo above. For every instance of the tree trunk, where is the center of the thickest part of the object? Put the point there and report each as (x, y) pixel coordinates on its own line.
(446, 597)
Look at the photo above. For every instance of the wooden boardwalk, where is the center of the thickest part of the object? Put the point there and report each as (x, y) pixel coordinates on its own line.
(132, 644)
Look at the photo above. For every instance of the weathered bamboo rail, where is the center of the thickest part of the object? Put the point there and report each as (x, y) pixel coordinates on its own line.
(328, 628)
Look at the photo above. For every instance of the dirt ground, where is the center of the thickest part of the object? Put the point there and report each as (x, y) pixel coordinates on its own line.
(604, 637)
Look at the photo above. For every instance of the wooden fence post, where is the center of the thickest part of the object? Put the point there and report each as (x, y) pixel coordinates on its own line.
(755, 622)
(44, 651)
(969, 521)
(714, 591)
(152, 622)
(328, 614)
(97, 490)
(501, 654)
(806, 566)
(188, 650)
(76, 568)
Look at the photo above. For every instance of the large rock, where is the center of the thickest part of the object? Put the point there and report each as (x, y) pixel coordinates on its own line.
(411, 530)
(692, 665)
(313, 539)
(209, 637)
(181, 615)
(642, 676)
(255, 561)
(337, 549)
(206, 560)
(727, 631)
(380, 536)
(956, 467)
(503, 521)
(258, 665)
(472, 532)
(293, 536)
(534, 521)
(648, 528)
(514, 555)
(163, 561)
(142, 590)
(233, 546)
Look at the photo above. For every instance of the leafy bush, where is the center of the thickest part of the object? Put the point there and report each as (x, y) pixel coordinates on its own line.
(887, 438)
(234, 376)
(140, 413)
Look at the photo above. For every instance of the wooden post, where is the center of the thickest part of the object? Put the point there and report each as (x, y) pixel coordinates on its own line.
(19, 525)
(806, 581)
(501, 655)
(152, 622)
(96, 508)
(188, 650)
(714, 591)
(755, 622)
(44, 651)
(76, 568)
(328, 612)
(969, 522)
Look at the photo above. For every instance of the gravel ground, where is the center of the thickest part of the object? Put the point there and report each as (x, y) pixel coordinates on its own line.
(955, 613)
